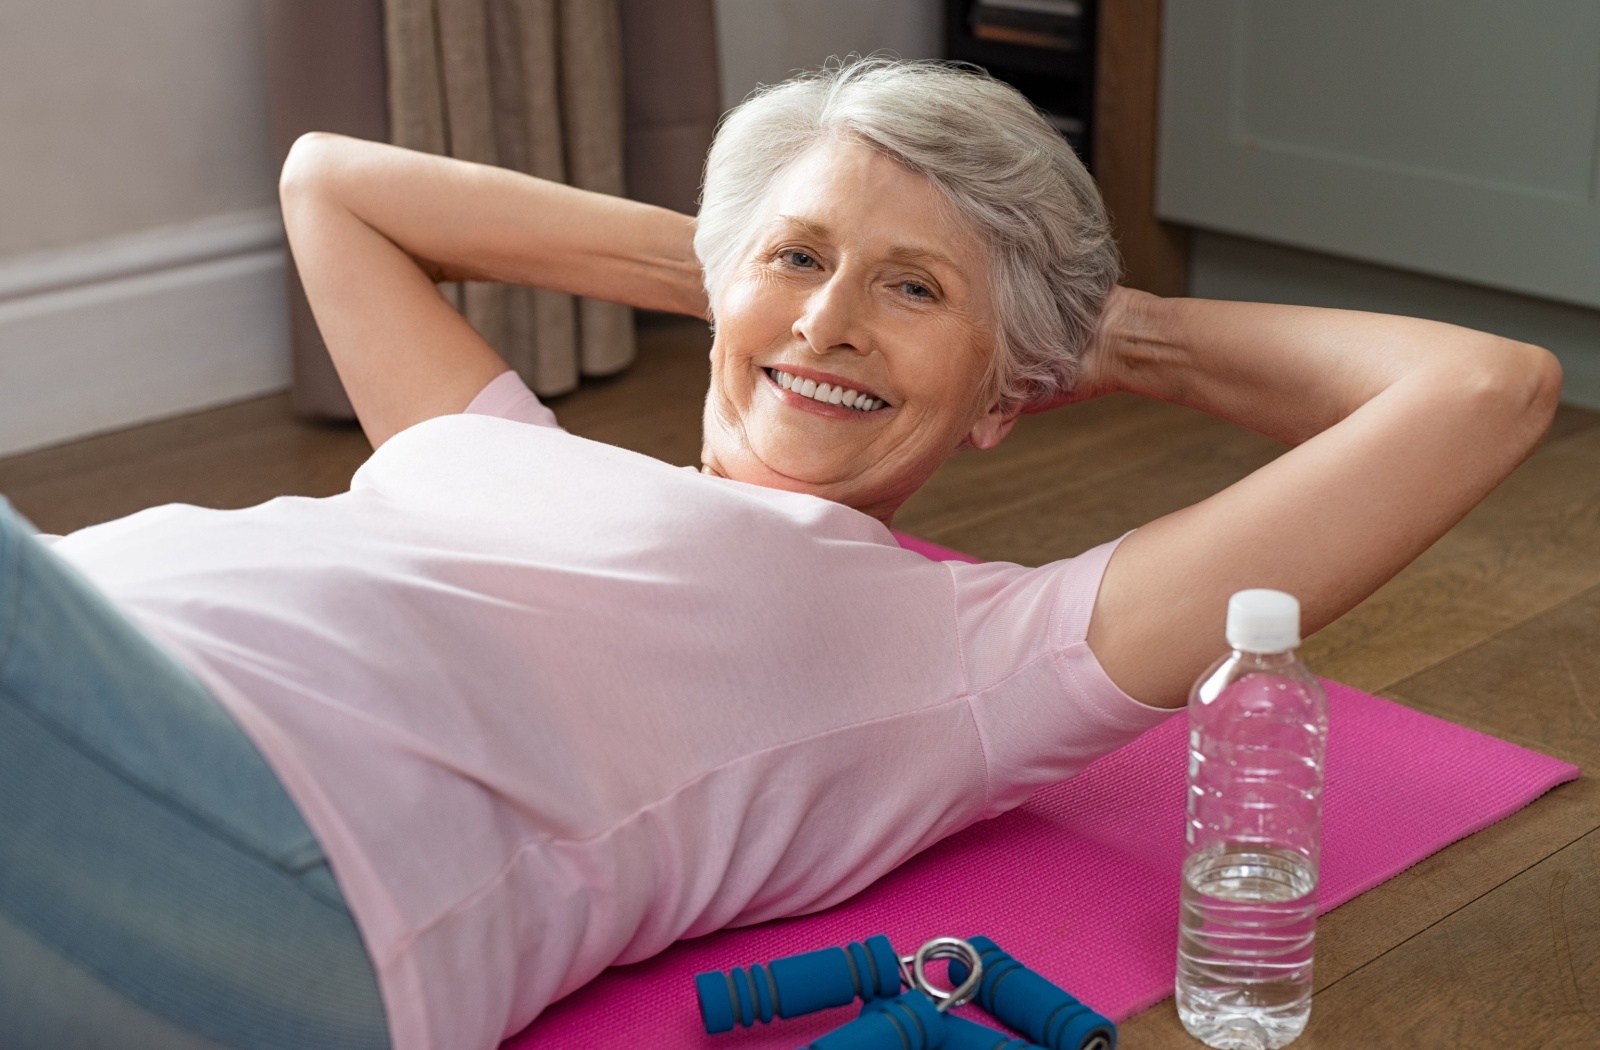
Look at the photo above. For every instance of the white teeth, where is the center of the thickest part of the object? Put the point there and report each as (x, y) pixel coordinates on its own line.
(826, 393)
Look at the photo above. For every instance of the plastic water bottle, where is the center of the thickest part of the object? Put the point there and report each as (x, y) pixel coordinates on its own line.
(1258, 726)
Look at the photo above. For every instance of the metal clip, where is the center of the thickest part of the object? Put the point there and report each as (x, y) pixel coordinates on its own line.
(914, 970)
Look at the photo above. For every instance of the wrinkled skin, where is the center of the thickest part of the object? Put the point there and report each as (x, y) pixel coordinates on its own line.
(862, 274)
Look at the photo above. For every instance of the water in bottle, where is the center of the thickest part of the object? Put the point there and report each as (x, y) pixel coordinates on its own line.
(1258, 726)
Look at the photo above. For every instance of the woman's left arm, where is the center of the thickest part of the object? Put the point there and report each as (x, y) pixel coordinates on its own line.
(1399, 426)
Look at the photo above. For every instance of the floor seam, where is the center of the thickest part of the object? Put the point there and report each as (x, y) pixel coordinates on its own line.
(1455, 911)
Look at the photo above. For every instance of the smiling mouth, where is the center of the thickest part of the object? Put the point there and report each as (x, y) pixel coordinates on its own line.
(842, 396)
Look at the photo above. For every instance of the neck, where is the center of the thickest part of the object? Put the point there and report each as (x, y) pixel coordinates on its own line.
(884, 513)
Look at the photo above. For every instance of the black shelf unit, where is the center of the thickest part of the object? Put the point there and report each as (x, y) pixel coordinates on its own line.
(1060, 82)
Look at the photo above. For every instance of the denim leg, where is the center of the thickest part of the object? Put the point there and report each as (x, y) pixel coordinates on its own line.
(145, 841)
(47, 1002)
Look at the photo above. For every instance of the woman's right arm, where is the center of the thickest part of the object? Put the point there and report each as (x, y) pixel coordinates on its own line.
(374, 227)
(1399, 427)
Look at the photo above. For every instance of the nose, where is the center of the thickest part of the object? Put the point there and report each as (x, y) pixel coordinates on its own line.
(835, 319)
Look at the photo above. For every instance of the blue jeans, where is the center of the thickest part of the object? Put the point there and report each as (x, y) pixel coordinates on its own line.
(158, 888)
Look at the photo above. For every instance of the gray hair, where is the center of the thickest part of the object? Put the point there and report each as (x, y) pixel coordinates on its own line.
(993, 156)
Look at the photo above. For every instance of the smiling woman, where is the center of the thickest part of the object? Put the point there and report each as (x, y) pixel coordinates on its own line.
(519, 706)
(860, 279)
(994, 175)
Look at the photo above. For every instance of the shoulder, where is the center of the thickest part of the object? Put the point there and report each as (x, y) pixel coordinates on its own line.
(1051, 604)
(1011, 616)
(508, 397)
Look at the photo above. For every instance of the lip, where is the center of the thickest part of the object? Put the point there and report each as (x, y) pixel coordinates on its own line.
(830, 379)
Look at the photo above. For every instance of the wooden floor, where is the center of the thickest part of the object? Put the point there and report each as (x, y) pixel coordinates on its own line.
(1493, 942)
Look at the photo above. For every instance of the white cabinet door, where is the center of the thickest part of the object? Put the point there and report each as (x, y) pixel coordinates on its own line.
(1454, 137)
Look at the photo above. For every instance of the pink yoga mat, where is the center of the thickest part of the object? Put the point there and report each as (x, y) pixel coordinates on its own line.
(1081, 882)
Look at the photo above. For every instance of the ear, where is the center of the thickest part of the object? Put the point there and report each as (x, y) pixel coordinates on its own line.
(991, 428)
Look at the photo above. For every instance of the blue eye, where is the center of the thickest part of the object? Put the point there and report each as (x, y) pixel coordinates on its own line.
(801, 259)
(918, 291)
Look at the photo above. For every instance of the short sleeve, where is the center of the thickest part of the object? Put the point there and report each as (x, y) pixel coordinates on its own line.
(1043, 704)
(508, 397)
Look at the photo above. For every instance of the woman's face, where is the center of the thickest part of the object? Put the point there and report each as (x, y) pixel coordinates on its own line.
(862, 285)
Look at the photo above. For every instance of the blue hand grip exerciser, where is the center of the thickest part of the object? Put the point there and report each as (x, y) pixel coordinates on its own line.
(1032, 1005)
(915, 1018)
(798, 984)
(962, 1034)
(906, 1022)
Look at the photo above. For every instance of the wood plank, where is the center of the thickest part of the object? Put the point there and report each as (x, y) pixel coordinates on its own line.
(1071, 479)
(1155, 254)
(1111, 487)
(1077, 455)
(1437, 887)
(1535, 685)
(1520, 966)
(1533, 544)
(242, 454)
(1570, 419)
(233, 456)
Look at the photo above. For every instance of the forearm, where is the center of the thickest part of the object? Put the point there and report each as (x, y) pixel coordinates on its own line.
(461, 221)
(1290, 372)
(1401, 427)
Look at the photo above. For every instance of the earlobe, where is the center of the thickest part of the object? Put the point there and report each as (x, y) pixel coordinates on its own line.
(991, 428)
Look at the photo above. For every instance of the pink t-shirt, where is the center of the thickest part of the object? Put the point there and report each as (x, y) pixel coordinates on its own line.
(551, 705)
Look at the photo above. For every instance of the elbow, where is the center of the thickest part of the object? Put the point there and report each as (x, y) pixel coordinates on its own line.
(1537, 388)
(308, 169)
(1520, 385)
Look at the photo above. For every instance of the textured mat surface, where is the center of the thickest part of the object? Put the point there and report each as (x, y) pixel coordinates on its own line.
(1081, 882)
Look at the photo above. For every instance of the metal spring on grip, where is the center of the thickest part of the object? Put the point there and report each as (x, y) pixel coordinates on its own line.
(914, 971)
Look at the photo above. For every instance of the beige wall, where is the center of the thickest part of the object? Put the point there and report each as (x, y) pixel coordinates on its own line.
(141, 256)
(120, 115)
(762, 41)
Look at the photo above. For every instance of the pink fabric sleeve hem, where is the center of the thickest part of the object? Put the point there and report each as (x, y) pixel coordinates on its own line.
(1117, 707)
(1076, 658)
(508, 397)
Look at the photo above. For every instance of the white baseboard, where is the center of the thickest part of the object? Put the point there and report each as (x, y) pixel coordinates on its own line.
(141, 327)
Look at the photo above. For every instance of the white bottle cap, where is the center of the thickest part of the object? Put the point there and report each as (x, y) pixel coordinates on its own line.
(1263, 621)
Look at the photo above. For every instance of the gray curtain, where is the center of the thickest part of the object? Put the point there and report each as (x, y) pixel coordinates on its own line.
(325, 72)
(328, 71)
(669, 52)
(533, 85)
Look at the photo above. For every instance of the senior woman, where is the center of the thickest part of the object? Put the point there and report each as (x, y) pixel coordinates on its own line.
(521, 705)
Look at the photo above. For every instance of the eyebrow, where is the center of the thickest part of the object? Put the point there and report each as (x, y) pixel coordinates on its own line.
(901, 253)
